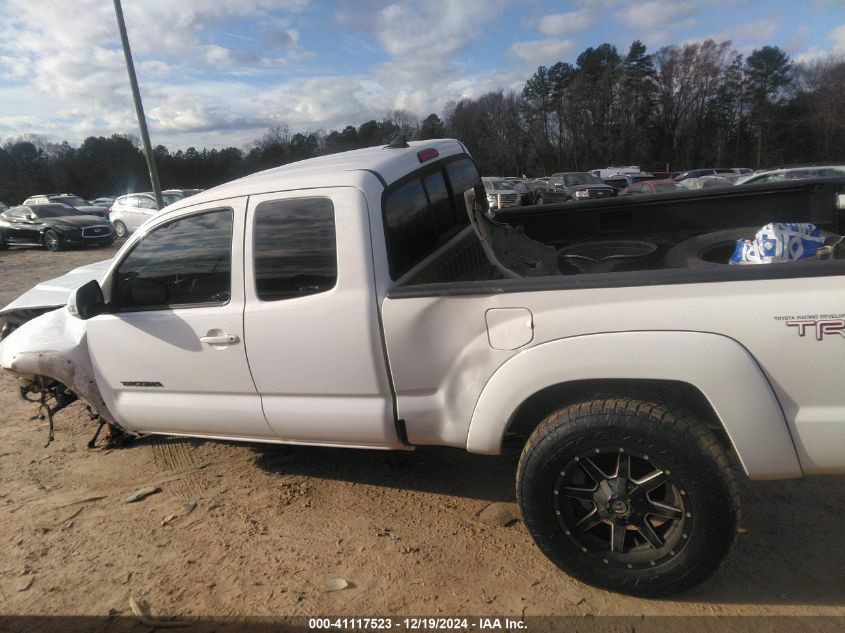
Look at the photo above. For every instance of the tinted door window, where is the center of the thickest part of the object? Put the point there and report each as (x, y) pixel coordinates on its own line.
(295, 248)
(184, 262)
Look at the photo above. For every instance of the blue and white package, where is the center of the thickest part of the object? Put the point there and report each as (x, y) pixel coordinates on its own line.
(779, 242)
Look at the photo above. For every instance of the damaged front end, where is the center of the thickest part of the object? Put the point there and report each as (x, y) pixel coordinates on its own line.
(48, 356)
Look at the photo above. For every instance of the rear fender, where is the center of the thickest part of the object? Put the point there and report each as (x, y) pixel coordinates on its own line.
(719, 367)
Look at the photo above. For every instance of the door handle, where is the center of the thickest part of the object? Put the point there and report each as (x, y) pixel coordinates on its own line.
(224, 339)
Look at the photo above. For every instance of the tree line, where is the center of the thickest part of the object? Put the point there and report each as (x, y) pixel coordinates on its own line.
(692, 105)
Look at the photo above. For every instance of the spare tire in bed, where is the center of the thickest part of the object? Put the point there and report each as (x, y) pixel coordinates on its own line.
(712, 249)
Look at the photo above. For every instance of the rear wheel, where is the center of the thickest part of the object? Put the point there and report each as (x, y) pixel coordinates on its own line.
(631, 495)
(53, 241)
(120, 229)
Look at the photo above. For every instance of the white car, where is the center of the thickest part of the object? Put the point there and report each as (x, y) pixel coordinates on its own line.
(129, 212)
(791, 173)
(500, 193)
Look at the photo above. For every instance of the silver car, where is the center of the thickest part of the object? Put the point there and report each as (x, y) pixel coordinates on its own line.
(792, 173)
(131, 211)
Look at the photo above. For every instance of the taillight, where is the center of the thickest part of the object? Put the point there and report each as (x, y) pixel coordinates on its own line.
(427, 154)
(110, 210)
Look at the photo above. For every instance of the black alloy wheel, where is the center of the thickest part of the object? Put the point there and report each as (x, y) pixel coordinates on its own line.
(622, 507)
(634, 495)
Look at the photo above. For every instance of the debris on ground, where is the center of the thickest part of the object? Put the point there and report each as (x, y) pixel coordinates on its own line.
(186, 510)
(336, 584)
(499, 514)
(141, 494)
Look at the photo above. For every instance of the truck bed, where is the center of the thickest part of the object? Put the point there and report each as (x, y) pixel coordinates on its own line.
(664, 228)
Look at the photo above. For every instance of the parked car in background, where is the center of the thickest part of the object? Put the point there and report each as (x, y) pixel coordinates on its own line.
(131, 211)
(792, 173)
(577, 185)
(105, 201)
(712, 171)
(652, 187)
(620, 181)
(664, 175)
(500, 193)
(69, 199)
(54, 226)
(182, 193)
(527, 193)
(707, 182)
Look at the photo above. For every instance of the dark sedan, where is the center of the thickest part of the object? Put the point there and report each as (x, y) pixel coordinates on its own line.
(54, 226)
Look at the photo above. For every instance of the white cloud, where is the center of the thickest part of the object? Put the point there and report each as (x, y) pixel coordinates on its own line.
(837, 35)
(436, 28)
(536, 53)
(761, 31)
(655, 15)
(563, 23)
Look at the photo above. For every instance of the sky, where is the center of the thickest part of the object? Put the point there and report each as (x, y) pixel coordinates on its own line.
(219, 73)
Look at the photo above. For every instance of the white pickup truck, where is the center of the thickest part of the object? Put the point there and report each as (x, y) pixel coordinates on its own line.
(367, 300)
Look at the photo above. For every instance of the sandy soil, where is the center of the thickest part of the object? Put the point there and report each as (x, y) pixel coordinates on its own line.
(247, 529)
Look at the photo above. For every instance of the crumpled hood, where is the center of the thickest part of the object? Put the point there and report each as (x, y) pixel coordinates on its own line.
(55, 293)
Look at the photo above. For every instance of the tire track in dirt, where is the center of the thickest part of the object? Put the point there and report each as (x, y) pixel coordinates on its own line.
(178, 455)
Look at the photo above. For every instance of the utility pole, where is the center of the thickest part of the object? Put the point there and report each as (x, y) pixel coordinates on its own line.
(139, 108)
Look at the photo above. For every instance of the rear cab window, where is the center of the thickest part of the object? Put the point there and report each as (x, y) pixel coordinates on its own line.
(424, 211)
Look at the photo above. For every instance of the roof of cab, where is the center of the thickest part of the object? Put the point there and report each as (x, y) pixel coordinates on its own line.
(343, 169)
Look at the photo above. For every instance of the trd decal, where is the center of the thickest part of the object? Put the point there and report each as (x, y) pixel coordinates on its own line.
(819, 327)
(141, 383)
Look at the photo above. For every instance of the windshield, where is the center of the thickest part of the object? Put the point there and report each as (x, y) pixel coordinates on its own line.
(581, 179)
(74, 201)
(496, 184)
(54, 211)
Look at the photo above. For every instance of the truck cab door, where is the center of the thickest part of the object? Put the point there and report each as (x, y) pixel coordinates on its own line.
(313, 334)
(169, 354)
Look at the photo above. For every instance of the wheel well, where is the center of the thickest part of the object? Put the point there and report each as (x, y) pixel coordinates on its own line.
(538, 406)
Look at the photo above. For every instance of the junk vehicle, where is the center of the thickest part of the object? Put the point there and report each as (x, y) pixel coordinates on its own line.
(573, 186)
(368, 300)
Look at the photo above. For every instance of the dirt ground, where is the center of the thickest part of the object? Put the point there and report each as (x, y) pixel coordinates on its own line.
(250, 529)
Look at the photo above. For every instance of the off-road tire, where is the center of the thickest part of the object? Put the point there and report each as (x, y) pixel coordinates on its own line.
(655, 433)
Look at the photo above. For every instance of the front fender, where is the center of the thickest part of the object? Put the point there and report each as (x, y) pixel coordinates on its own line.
(718, 366)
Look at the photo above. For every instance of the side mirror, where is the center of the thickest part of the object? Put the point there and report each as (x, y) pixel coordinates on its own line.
(87, 301)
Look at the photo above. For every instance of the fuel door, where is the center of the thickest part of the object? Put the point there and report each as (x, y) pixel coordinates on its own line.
(509, 328)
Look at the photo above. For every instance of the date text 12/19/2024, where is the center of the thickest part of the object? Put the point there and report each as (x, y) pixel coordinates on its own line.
(416, 624)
